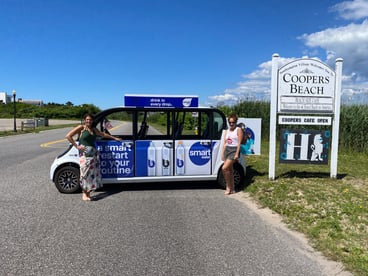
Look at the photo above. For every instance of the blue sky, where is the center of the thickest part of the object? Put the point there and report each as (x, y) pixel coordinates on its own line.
(95, 51)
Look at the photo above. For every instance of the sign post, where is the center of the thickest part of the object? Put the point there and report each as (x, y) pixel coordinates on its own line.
(336, 120)
(273, 115)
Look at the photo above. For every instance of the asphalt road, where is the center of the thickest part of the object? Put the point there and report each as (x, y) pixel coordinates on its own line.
(145, 229)
(8, 124)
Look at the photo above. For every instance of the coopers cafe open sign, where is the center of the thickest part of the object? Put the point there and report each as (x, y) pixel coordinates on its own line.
(306, 86)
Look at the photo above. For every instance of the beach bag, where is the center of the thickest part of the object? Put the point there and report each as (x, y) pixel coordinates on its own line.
(243, 149)
(243, 128)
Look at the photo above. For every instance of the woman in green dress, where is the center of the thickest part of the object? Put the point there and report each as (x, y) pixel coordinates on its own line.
(90, 176)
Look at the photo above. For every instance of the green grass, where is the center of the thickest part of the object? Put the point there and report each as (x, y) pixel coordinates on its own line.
(332, 213)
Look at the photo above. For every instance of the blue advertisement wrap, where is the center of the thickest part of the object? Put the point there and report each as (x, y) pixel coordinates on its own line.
(161, 101)
(142, 159)
(116, 158)
(200, 154)
(154, 158)
(121, 159)
(165, 158)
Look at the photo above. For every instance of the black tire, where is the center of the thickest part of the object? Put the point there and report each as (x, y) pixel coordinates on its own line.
(238, 177)
(67, 180)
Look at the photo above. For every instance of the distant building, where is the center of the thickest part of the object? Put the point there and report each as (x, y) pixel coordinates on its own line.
(4, 98)
(33, 102)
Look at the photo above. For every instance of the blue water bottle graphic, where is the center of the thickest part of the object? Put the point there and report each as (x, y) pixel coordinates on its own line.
(166, 159)
(151, 160)
(180, 155)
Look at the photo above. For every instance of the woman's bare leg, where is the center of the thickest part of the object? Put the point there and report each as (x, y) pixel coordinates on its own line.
(227, 170)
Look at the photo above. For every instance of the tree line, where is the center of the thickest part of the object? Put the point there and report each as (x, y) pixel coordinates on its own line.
(50, 110)
(353, 134)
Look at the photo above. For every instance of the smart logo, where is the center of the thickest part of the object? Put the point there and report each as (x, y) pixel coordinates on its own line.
(200, 154)
(187, 102)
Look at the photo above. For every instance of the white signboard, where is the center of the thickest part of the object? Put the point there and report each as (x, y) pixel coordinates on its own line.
(306, 86)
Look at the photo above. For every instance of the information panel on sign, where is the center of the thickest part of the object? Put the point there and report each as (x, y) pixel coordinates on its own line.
(304, 146)
(306, 86)
(304, 120)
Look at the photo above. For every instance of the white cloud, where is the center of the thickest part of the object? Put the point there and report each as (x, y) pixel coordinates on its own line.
(254, 86)
(351, 10)
(349, 42)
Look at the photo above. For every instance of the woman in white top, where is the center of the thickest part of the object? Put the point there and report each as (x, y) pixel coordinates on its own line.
(231, 152)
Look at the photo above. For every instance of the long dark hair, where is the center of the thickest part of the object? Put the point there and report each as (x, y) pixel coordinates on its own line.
(92, 117)
(88, 115)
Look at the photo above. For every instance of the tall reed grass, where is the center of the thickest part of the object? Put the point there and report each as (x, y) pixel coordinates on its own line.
(353, 132)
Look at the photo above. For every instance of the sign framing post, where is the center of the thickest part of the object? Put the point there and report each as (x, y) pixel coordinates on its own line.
(336, 119)
(273, 115)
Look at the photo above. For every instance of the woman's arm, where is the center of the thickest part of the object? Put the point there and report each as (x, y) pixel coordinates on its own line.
(240, 138)
(223, 148)
(106, 135)
(71, 134)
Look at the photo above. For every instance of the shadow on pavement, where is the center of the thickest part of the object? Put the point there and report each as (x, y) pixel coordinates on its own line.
(111, 189)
